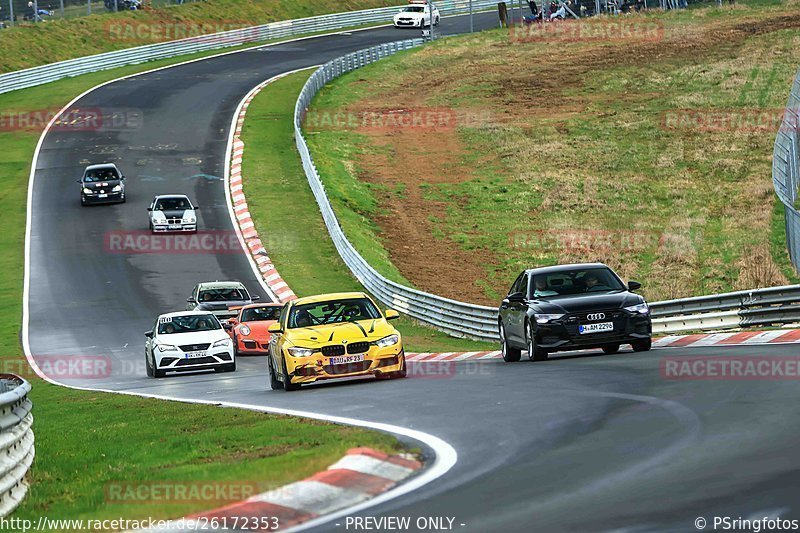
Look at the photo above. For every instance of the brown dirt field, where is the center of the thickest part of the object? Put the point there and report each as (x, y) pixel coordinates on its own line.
(411, 158)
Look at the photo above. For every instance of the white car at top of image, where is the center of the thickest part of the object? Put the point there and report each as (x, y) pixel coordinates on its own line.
(185, 341)
(172, 213)
(417, 14)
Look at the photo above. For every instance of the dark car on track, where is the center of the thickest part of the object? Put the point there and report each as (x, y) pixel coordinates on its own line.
(572, 307)
(102, 184)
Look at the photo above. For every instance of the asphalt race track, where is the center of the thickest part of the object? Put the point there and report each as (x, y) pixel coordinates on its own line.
(581, 442)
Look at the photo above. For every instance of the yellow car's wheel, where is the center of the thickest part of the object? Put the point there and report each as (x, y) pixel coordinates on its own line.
(287, 380)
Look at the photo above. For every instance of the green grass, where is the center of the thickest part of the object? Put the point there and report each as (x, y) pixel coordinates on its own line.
(576, 145)
(86, 441)
(288, 219)
(30, 45)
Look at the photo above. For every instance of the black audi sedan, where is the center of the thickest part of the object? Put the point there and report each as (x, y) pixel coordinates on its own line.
(572, 307)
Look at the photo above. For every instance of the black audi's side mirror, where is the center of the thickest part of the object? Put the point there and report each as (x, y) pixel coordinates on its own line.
(516, 297)
(634, 285)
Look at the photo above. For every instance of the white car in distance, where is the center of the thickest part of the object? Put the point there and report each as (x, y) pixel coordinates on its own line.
(172, 213)
(417, 14)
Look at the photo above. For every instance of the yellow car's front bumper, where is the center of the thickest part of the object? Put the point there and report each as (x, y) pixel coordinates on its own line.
(377, 361)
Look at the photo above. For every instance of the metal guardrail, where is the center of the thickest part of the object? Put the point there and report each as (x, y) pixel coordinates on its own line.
(22, 79)
(785, 166)
(774, 305)
(16, 441)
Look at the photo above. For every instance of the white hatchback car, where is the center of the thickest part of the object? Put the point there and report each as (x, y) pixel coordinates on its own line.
(172, 212)
(188, 340)
(416, 15)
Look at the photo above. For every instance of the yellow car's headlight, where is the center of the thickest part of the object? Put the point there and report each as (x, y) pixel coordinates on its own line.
(296, 351)
(387, 341)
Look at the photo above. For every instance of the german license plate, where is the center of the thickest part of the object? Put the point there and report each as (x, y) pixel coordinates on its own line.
(596, 328)
(174, 226)
(346, 359)
(102, 195)
(195, 355)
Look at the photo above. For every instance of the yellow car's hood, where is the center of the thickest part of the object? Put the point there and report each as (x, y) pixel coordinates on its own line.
(361, 330)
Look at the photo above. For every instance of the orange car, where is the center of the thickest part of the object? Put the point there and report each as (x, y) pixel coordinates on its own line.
(248, 328)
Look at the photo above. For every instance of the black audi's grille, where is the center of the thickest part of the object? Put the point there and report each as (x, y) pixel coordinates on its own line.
(194, 347)
(347, 368)
(196, 361)
(610, 314)
(333, 350)
(358, 347)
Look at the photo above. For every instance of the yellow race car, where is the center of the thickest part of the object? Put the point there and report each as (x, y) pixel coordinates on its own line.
(333, 336)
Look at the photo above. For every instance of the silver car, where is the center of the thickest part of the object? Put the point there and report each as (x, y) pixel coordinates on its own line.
(173, 213)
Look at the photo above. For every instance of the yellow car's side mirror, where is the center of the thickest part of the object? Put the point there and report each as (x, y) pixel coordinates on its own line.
(391, 314)
(275, 328)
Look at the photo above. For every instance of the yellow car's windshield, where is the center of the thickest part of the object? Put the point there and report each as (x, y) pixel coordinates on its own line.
(333, 312)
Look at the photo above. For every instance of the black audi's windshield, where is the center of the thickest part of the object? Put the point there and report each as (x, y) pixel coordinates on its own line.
(187, 324)
(577, 281)
(350, 310)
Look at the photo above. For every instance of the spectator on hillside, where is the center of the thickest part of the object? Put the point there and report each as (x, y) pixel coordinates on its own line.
(561, 12)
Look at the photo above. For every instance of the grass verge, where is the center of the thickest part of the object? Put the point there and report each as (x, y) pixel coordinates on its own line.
(608, 152)
(87, 442)
(288, 219)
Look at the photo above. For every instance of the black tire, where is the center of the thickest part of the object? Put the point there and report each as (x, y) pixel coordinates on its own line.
(436, 21)
(643, 345)
(235, 347)
(147, 366)
(510, 354)
(156, 372)
(83, 202)
(608, 350)
(534, 352)
(403, 372)
(287, 381)
(274, 382)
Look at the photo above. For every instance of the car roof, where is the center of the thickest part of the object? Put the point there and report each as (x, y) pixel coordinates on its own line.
(184, 313)
(182, 196)
(553, 269)
(221, 285)
(101, 166)
(329, 297)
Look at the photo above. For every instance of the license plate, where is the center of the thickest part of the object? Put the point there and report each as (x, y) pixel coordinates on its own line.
(102, 195)
(345, 359)
(195, 355)
(596, 328)
(174, 226)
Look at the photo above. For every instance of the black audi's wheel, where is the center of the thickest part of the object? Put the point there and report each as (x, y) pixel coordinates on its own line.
(642, 345)
(535, 353)
(614, 348)
(510, 354)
